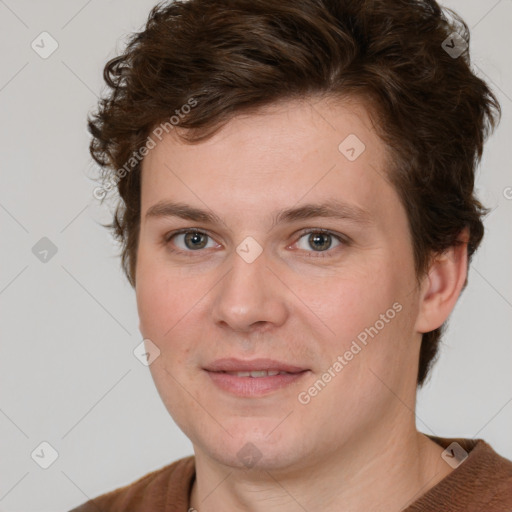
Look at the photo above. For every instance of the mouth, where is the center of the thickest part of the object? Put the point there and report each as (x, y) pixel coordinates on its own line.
(256, 366)
(254, 378)
(256, 374)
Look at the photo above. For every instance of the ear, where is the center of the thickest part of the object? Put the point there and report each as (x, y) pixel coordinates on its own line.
(442, 286)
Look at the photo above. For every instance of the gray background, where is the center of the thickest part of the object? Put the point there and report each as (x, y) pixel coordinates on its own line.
(67, 372)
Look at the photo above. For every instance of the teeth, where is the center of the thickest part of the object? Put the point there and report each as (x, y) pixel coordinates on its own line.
(257, 373)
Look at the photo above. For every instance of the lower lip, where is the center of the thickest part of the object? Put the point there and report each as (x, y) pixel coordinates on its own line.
(254, 386)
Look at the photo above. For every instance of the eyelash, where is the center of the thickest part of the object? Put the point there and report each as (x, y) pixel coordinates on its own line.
(318, 254)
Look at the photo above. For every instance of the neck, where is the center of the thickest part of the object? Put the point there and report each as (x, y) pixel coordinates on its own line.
(357, 477)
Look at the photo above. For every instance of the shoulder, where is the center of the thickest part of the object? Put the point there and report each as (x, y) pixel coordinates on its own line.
(481, 480)
(495, 472)
(166, 489)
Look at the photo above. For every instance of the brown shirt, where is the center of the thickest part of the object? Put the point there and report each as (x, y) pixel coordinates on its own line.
(482, 483)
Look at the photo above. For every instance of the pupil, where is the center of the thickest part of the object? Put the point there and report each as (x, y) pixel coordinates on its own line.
(195, 239)
(320, 241)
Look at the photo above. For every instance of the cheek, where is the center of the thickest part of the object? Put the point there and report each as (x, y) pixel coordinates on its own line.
(158, 302)
(370, 315)
(351, 302)
(153, 305)
(168, 306)
(161, 306)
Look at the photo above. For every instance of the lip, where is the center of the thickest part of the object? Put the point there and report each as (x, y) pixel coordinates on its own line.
(239, 365)
(253, 386)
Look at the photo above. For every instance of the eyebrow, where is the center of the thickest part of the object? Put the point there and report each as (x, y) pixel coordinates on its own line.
(334, 209)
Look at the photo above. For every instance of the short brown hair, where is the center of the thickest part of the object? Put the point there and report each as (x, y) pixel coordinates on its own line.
(233, 56)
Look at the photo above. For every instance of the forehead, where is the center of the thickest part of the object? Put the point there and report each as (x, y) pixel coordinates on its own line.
(287, 153)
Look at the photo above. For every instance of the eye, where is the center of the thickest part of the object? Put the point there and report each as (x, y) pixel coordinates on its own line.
(188, 240)
(314, 240)
(319, 241)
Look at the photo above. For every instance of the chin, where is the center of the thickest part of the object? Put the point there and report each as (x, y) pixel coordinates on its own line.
(251, 447)
(255, 457)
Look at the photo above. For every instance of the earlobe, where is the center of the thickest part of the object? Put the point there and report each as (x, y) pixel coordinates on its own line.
(443, 285)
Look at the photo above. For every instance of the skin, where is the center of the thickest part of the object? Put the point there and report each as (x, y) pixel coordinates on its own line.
(354, 446)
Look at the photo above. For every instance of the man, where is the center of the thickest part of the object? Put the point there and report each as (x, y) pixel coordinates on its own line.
(297, 217)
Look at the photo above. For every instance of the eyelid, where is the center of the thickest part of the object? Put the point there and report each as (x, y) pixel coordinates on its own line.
(171, 234)
(341, 237)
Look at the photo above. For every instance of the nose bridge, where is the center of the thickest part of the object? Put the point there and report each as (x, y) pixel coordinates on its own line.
(248, 294)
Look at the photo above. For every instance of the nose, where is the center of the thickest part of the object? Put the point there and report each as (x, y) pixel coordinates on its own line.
(250, 297)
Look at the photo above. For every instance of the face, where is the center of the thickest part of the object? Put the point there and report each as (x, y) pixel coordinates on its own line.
(278, 240)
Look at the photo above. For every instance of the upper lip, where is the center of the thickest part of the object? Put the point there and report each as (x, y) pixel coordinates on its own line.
(239, 365)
